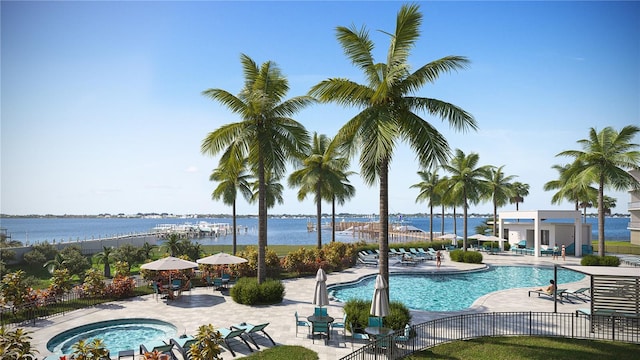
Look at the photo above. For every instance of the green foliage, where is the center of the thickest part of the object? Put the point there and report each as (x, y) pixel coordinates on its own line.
(358, 314)
(332, 257)
(94, 350)
(247, 291)
(40, 254)
(122, 268)
(472, 257)
(16, 345)
(129, 254)
(594, 260)
(14, 288)
(93, 286)
(284, 352)
(207, 346)
(250, 268)
(74, 261)
(60, 282)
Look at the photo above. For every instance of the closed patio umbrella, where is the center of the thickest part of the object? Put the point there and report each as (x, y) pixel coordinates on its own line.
(380, 302)
(221, 259)
(321, 296)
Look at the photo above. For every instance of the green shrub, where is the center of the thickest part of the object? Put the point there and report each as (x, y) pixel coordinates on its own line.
(358, 314)
(594, 260)
(472, 257)
(610, 261)
(247, 291)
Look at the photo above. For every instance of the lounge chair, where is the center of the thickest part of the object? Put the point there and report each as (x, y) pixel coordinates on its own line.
(367, 262)
(250, 330)
(578, 294)
(302, 323)
(183, 344)
(158, 346)
(559, 294)
(230, 334)
(403, 251)
(394, 252)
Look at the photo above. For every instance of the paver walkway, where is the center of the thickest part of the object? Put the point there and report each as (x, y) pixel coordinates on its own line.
(204, 306)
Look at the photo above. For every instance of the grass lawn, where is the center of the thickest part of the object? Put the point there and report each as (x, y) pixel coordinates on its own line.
(521, 348)
(285, 352)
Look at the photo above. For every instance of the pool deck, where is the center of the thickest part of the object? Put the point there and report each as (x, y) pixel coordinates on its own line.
(205, 306)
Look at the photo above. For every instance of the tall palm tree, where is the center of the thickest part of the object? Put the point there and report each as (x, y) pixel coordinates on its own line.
(520, 190)
(571, 187)
(389, 109)
(173, 245)
(340, 193)
(500, 190)
(609, 203)
(467, 183)
(442, 188)
(232, 178)
(105, 257)
(273, 192)
(266, 135)
(320, 173)
(429, 193)
(605, 159)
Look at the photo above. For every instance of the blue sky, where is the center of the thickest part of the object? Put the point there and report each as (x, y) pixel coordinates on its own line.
(102, 109)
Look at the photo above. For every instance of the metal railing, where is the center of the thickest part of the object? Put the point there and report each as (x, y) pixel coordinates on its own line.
(30, 312)
(469, 326)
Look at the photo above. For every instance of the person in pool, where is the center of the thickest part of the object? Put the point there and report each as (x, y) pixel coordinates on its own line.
(550, 289)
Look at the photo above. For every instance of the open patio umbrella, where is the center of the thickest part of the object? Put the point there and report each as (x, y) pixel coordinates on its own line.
(380, 302)
(169, 263)
(221, 259)
(452, 237)
(321, 296)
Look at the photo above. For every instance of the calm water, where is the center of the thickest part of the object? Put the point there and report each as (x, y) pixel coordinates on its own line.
(281, 231)
(453, 292)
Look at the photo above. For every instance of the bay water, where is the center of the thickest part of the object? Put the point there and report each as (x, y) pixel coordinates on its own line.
(284, 230)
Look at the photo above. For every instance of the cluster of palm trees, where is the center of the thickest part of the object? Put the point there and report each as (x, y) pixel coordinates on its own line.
(467, 184)
(267, 137)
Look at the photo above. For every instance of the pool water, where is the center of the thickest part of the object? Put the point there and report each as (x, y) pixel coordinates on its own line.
(453, 292)
(118, 335)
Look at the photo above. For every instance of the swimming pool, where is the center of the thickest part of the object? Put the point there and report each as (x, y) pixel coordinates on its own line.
(118, 335)
(452, 292)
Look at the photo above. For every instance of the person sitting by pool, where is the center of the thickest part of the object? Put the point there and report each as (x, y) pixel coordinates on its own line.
(550, 289)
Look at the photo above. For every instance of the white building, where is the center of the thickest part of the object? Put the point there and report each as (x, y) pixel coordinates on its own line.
(539, 232)
(634, 211)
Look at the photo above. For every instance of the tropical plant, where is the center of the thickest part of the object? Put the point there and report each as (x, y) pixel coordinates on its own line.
(16, 345)
(92, 350)
(500, 190)
(520, 190)
(466, 183)
(15, 288)
(571, 187)
(232, 178)
(389, 108)
(146, 249)
(172, 244)
(273, 191)
(54, 264)
(60, 282)
(207, 345)
(74, 260)
(321, 174)
(605, 159)
(266, 135)
(93, 286)
(105, 257)
(429, 193)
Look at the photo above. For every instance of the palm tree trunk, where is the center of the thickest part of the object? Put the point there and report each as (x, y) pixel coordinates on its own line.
(262, 222)
(601, 216)
(235, 231)
(384, 222)
(495, 217)
(430, 221)
(333, 219)
(455, 222)
(464, 221)
(319, 214)
(442, 221)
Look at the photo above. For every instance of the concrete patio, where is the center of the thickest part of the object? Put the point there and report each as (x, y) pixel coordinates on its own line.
(206, 306)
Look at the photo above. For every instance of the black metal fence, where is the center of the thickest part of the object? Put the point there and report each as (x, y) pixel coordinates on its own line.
(462, 327)
(17, 315)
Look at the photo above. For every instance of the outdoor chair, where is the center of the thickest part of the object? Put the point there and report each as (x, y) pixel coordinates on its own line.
(302, 323)
(231, 334)
(578, 294)
(217, 284)
(158, 346)
(319, 328)
(559, 294)
(394, 252)
(341, 325)
(183, 344)
(375, 321)
(356, 336)
(250, 330)
(320, 311)
(405, 337)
